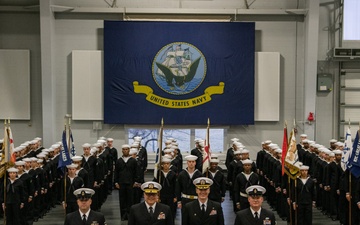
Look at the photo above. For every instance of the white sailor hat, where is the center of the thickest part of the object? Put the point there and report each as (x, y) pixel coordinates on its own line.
(55, 146)
(268, 142)
(38, 138)
(168, 141)
(17, 149)
(197, 140)
(51, 149)
(340, 143)
(214, 160)
(247, 161)
(303, 135)
(76, 158)
(333, 141)
(125, 146)
(311, 142)
(337, 152)
(72, 166)
(331, 154)
(255, 190)
(191, 158)
(168, 150)
(176, 144)
(171, 138)
(134, 144)
(137, 138)
(237, 152)
(133, 151)
(41, 155)
(40, 161)
(278, 150)
(165, 160)
(305, 141)
(83, 193)
(214, 156)
(93, 150)
(97, 144)
(20, 163)
(173, 147)
(327, 151)
(33, 159)
(151, 187)
(167, 156)
(86, 145)
(202, 183)
(110, 139)
(101, 141)
(12, 170)
(234, 139)
(244, 151)
(239, 145)
(26, 160)
(1, 141)
(303, 167)
(60, 143)
(202, 143)
(33, 142)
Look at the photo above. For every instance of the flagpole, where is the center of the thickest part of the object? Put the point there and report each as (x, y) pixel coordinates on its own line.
(208, 144)
(160, 154)
(65, 174)
(290, 203)
(5, 167)
(160, 148)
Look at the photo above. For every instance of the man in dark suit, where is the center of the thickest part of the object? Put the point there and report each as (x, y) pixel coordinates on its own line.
(84, 215)
(255, 215)
(150, 212)
(203, 211)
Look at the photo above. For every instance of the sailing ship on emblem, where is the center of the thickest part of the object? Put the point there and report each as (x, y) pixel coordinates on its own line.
(177, 67)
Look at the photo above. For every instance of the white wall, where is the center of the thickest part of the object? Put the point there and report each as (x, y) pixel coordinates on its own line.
(84, 32)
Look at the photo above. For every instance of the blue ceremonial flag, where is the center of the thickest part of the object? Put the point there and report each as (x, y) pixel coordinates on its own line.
(183, 72)
(64, 159)
(354, 161)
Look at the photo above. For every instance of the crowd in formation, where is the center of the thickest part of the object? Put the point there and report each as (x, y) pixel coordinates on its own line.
(323, 182)
(35, 184)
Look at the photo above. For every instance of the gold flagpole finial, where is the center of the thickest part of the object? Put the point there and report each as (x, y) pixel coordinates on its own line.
(349, 123)
(285, 124)
(162, 121)
(9, 120)
(208, 122)
(5, 122)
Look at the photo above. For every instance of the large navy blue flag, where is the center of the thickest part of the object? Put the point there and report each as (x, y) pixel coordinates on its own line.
(182, 72)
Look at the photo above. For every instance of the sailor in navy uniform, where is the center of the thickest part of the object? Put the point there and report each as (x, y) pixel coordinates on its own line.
(84, 215)
(255, 215)
(167, 179)
(185, 189)
(150, 212)
(15, 197)
(203, 211)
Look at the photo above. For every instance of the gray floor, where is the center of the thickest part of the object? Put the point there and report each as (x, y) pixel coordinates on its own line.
(111, 210)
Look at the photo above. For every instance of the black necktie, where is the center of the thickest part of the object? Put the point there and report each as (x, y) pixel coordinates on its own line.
(84, 219)
(256, 215)
(151, 211)
(203, 209)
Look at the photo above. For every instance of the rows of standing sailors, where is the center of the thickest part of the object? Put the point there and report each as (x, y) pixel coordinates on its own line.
(323, 183)
(39, 185)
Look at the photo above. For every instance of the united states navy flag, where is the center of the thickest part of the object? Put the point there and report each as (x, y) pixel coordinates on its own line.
(182, 72)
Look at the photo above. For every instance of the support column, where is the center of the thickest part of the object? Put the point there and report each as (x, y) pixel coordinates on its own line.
(311, 55)
(47, 21)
